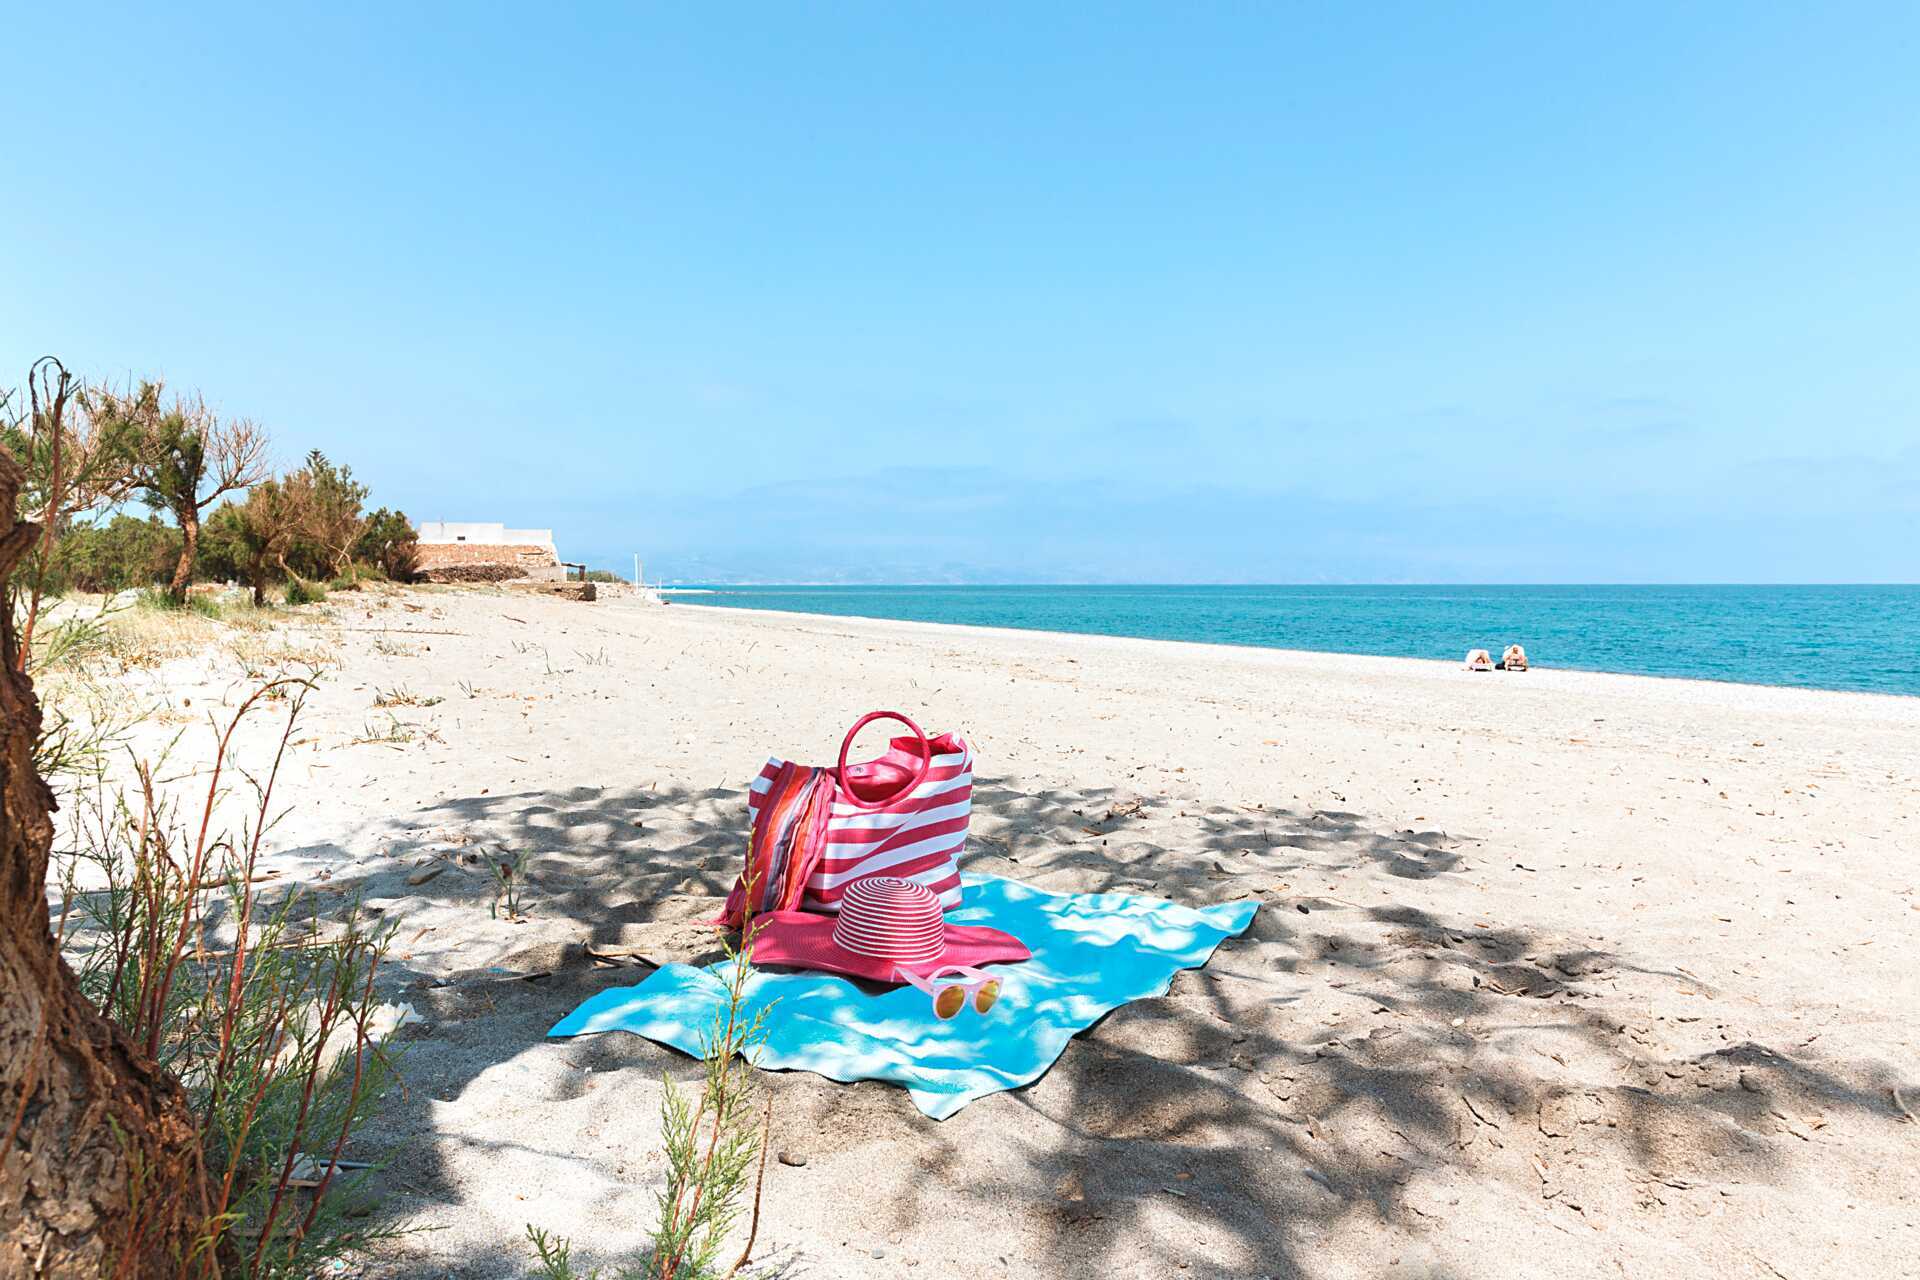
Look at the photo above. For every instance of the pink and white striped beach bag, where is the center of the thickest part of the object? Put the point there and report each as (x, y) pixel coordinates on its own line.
(901, 814)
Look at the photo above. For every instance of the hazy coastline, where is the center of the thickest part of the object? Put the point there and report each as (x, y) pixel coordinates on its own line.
(1870, 665)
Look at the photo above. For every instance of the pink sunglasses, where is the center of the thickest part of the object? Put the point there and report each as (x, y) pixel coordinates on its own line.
(951, 997)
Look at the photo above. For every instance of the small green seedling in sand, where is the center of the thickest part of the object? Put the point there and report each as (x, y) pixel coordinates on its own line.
(556, 1257)
(712, 1147)
(395, 732)
(401, 696)
(524, 647)
(716, 1150)
(508, 880)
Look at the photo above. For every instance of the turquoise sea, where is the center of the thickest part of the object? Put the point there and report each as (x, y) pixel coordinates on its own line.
(1862, 638)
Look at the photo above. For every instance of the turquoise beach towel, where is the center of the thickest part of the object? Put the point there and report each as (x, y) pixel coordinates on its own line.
(1092, 952)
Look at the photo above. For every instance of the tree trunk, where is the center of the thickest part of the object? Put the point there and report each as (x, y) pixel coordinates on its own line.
(257, 578)
(99, 1172)
(189, 517)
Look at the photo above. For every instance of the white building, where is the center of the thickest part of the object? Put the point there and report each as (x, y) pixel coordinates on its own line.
(444, 532)
(451, 551)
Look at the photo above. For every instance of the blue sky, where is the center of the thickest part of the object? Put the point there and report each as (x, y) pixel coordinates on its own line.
(886, 292)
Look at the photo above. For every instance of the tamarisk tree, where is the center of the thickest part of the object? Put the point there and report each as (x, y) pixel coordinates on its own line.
(332, 499)
(73, 464)
(260, 532)
(186, 457)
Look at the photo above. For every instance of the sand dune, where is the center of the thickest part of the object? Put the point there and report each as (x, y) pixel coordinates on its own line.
(1554, 974)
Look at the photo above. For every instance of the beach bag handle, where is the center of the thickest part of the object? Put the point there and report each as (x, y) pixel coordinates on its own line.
(846, 745)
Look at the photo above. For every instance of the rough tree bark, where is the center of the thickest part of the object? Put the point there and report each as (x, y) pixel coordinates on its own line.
(98, 1167)
(189, 518)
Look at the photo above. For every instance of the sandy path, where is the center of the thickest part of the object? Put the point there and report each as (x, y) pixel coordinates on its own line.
(1555, 973)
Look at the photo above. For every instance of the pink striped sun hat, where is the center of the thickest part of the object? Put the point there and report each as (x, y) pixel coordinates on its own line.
(885, 925)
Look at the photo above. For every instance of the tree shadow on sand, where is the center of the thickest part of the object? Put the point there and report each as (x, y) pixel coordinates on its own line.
(1360, 1062)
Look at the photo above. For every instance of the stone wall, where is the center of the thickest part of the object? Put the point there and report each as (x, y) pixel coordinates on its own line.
(564, 590)
(484, 562)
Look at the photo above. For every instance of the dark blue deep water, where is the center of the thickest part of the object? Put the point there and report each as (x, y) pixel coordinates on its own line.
(1864, 638)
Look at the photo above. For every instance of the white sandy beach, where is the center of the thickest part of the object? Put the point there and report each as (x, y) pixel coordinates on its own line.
(1554, 974)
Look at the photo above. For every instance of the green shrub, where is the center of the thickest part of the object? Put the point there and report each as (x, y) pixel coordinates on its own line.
(222, 554)
(124, 552)
(69, 642)
(300, 591)
(356, 577)
(156, 600)
(387, 541)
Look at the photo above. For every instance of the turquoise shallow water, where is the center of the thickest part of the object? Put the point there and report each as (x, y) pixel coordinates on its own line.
(1861, 638)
